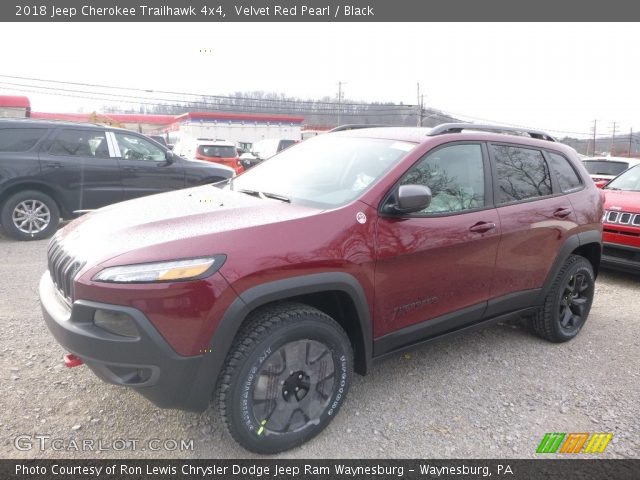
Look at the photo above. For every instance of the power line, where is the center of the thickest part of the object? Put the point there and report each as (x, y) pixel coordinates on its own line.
(89, 97)
(255, 102)
(224, 97)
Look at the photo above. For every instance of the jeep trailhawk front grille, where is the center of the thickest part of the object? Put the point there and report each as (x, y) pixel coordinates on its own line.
(63, 269)
(621, 218)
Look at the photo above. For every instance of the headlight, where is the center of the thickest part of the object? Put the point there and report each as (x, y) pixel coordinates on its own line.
(162, 271)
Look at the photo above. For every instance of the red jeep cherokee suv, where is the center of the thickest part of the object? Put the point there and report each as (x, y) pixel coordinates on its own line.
(269, 292)
(622, 221)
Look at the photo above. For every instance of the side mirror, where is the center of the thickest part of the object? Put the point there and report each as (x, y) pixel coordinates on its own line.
(601, 183)
(410, 199)
(169, 157)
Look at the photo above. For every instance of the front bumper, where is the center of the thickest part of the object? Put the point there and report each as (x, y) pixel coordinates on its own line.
(146, 363)
(623, 257)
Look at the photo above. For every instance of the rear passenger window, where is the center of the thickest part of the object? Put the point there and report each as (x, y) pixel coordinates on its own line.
(566, 175)
(455, 176)
(19, 139)
(522, 173)
(80, 143)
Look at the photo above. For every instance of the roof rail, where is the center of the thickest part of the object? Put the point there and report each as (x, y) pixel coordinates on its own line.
(459, 127)
(355, 126)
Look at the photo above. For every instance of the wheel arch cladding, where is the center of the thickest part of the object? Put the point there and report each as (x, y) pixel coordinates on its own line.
(337, 294)
(593, 253)
(585, 244)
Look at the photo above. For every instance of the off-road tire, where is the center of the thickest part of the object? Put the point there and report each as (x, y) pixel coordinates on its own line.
(30, 197)
(563, 294)
(251, 369)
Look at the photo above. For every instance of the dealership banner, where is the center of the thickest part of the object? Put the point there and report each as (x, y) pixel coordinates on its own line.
(587, 469)
(318, 11)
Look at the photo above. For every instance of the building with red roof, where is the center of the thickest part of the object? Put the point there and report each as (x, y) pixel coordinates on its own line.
(14, 106)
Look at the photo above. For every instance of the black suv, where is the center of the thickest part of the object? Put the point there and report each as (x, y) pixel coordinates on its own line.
(54, 169)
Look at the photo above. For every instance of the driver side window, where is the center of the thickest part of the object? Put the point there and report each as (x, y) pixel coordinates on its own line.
(136, 148)
(455, 175)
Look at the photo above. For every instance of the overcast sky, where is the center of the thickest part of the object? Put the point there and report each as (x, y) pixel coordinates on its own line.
(557, 76)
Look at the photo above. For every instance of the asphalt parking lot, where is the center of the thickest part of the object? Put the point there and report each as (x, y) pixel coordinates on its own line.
(493, 393)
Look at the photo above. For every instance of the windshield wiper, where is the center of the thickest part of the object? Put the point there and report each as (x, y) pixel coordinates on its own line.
(258, 194)
(275, 196)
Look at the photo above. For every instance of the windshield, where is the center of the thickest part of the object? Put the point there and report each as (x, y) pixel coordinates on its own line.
(629, 180)
(604, 167)
(217, 151)
(324, 171)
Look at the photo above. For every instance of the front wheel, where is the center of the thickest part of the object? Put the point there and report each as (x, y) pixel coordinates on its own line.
(568, 302)
(285, 377)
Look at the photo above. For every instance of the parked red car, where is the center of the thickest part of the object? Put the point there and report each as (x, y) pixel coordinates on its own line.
(621, 220)
(208, 150)
(335, 253)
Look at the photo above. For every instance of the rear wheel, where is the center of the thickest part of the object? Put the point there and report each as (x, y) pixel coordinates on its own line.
(568, 302)
(30, 215)
(285, 378)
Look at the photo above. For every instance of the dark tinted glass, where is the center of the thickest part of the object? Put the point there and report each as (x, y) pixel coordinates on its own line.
(603, 167)
(19, 139)
(455, 176)
(566, 175)
(80, 143)
(522, 173)
(285, 144)
(217, 151)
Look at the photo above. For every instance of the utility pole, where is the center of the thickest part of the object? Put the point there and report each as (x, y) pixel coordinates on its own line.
(419, 107)
(340, 101)
(593, 153)
(613, 139)
(630, 135)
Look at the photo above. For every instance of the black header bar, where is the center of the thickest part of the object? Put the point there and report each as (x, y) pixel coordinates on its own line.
(573, 469)
(317, 11)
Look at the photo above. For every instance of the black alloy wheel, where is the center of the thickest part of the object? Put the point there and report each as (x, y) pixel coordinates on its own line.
(294, 387)
(285, 377)
(574, 300)
(567, 303)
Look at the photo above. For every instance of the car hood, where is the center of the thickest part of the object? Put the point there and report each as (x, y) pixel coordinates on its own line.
(190, 221)
(621, 200)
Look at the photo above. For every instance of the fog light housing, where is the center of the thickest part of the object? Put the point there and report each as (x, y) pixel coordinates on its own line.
(117, 323)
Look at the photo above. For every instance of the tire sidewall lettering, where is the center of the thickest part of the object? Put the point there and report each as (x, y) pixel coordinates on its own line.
(247, 387)
(337, 401)
(248, 419)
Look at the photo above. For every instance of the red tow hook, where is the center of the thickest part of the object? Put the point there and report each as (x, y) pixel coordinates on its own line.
(71, 360)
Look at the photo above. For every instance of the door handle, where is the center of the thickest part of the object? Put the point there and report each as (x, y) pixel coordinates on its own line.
(53, 164)
(562, 212)
(482, 227)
